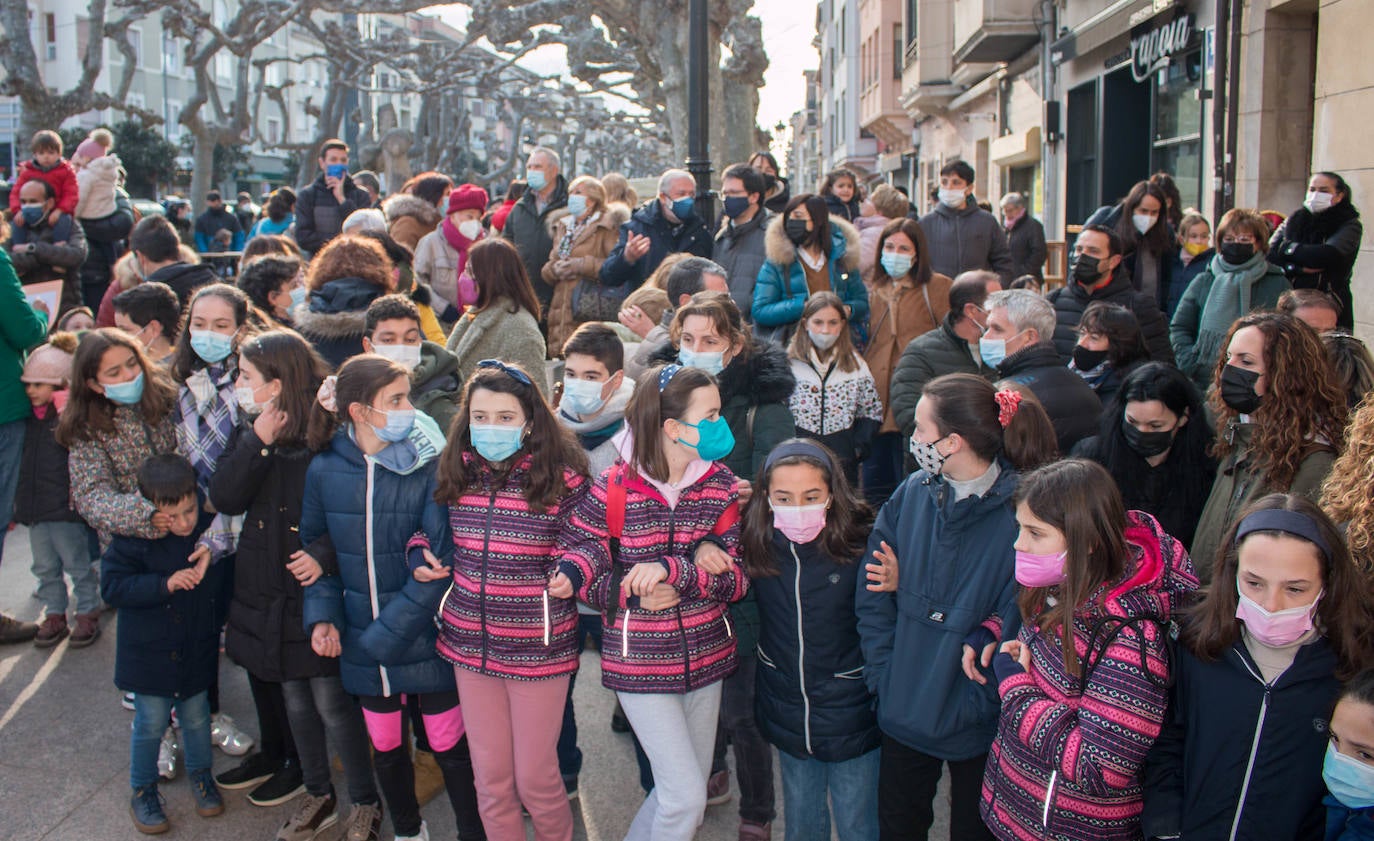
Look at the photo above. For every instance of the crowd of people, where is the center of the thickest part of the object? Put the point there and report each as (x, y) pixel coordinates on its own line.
(836, 486)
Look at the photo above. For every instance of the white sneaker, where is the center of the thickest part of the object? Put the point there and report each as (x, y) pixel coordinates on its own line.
(167, 764)
(422, 835)
(227, 737)
(127, 701)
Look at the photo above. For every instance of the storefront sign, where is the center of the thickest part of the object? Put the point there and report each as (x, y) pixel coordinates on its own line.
(1151, 50)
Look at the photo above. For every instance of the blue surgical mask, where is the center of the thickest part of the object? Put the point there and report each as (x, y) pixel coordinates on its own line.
(682, 208)
(896, 265)
(126, 394)
(735, 205)
(399, 422)
(336, 170)
(211, 346)
(712, 363)
(577, 204)
(298, 294)
(582, 397)
(1349, 780)
(715, 441)
(496, 443)
(993, 351)
(536, 179)
(33, 214)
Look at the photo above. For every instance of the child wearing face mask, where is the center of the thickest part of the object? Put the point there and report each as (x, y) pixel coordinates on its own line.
(1348, 770)
(370, 491)
(804, 536)
(836, 400)
(1257, 671)
(1085, 683)
(393, 330)
(509, 476)
(654, 545)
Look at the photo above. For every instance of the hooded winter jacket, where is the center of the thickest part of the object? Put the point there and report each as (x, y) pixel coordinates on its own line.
(184, 278)
(1071, 746)
(1070, 402)
(781, 291)
(740, 250)
(334, 318)
(1329, 242)
(966, 239)
(841, 408)
(434, 385)
(1072, 300)
(98, 182)
(409, 218)
(320, 215)
(58, 252)
(665, 238)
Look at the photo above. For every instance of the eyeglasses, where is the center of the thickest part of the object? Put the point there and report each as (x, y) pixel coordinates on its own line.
(509, 370)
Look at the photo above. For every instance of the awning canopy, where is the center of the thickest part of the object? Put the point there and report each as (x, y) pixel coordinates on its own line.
(1117, 19)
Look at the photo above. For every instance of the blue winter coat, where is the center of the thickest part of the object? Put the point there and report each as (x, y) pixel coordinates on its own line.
(1346, 824)
(664, 238)
(384, 616)
(781, 291)
(956, 567)
(167, 643)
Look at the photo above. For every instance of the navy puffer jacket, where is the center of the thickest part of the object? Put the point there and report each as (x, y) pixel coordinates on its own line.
(811, 698)
(384, 616)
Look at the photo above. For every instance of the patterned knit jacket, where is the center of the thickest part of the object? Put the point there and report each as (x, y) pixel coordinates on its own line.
(497, 618)
(668, 651)
(1072, 747)
(104, 473)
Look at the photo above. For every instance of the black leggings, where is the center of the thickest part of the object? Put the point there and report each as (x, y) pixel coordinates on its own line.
(274, 727)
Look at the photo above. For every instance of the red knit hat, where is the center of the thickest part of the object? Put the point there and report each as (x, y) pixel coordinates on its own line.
(467, 197)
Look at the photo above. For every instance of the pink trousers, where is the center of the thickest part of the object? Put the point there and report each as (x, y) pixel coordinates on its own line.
(512, 729)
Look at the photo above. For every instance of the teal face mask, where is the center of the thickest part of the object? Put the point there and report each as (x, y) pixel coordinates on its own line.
(715, 441)
(126, 394)
(211, 346)
(496, 443)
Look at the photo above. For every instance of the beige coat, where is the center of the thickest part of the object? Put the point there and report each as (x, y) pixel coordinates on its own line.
(898, 313)
(590, 247)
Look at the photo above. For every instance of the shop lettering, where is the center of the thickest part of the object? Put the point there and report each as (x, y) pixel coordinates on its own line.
(1151, 51)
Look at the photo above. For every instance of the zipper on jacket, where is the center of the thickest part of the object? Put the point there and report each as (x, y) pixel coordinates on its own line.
(482, 600)
(625, 634)
(681, 628)
(801, 652)
(1049, 801)
(1254, 751)
(372, 559)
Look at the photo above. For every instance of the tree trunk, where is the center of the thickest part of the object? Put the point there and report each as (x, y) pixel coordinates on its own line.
(203, 170)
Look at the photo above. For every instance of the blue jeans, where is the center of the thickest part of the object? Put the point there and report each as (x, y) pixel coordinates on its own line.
(11, 451)
(569, 754)
(852, 786)
(58, 548)
(151, 713)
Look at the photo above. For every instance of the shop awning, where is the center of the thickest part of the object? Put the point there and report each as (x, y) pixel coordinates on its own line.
(1016, 149)
(1117, 19)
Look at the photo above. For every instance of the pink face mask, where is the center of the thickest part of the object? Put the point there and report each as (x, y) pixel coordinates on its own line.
(800, 523)
(1034, 570)
(1277, 629)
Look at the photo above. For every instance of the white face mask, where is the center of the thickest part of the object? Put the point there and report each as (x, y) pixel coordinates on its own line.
(953, 198)
(1143, 221)
(470, 228)
(407, 355)
(1318, 202)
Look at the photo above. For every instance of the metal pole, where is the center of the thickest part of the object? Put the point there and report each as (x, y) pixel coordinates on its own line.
(1049, 158)
(1220, 102)
(698, 105)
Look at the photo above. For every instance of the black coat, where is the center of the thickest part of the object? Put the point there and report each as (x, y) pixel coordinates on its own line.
(184, 278)
(810, 696)
(44, 491)
(664, 238)
(265, 633)
(334, 318)
(1159, 493)
(1026, 242)
(168, 643)
(105, 244)
(320, 216)
(1194, 775)
(1329, 241)
(1072, 300)
(531, 232)
(848, 212)
(1070, 402)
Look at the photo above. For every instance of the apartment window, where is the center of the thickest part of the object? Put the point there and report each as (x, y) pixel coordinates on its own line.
(169, 53)
(273, 131)
(910, 23)
(897, 51)
(50, 35)
(171, 112)
(135, 36)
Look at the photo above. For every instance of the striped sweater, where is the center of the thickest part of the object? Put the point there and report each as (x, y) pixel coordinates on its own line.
(1071, 748)
(497, 618)
(668, 651)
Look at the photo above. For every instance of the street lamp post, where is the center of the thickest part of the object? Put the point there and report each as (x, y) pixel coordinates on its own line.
(698, 104)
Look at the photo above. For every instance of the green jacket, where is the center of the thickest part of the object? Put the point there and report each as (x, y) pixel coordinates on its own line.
(1237, 485)
(926, 357)
(1197, 333)
(21, 327)
(498, 333)
(434, 384)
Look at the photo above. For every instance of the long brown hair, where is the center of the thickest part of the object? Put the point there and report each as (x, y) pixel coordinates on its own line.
(966, 404)
(920, 271)
(847, 523)
(1303, 405)
(499, 273)
(1080, 499)
(284, 355)
(1345, 613)
(358, 381)
(350, 255)
(1155, 240)
(819, 211)
(184, 360)
(650, 407)
(88, 412)
(1346, 495)
(552, 445)
(801, 345)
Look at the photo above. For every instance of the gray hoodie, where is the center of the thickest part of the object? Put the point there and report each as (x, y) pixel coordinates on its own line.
(967, 239)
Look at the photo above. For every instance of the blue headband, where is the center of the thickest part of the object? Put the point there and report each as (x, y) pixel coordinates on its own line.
(1288, 522)
(796, 447)
(666, 375)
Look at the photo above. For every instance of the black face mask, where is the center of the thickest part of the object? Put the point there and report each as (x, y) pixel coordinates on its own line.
(1147, 444)
(1086, 360)
(1086, 270)
(1238, 389)
(796, 230)
(1236, 253)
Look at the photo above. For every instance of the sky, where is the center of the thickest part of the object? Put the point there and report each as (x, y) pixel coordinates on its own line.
(788, 27)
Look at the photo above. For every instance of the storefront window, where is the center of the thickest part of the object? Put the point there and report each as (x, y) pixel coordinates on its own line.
(1178, 125)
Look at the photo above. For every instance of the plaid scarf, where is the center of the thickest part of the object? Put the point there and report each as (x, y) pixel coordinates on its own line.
(208, 412)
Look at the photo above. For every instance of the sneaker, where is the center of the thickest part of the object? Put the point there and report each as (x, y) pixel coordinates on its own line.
(422, 835)
(619, 723)
(127, 701)
(718, 788)
(570, 786)
(282, 786)
(365, 823)
(208, 800)
(51, 631)
(12, 630)
(87, 629)
(750, 831)
(314, 816)
(167, 763)
(429, 779)
(146, 809)
(224, 735)
(251, 772)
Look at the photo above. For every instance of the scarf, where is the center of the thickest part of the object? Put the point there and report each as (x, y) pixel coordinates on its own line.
(565, 245)
(1227, 300)
(467, 290)
(208, 413)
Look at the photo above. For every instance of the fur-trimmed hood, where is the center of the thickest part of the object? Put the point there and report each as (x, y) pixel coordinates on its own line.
(337, 310)
(611, 217)
(764, 377)
(404, 204)
(844, 243)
